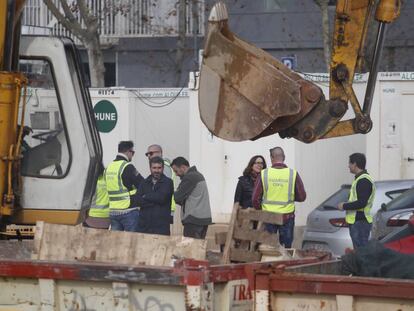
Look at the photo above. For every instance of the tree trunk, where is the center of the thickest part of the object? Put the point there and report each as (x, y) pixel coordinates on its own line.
(196, 31)
(179, 56)
(323, 5)
(96, 63)
(326, 35)
(87, 33)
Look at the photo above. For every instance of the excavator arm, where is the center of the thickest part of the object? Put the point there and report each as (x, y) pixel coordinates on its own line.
(246, 94)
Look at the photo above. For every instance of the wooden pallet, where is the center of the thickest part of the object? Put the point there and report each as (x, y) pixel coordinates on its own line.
(246, 232)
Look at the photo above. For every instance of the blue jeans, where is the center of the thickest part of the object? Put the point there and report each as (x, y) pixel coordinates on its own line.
(125, 222)
(359, 232)
(285, 232)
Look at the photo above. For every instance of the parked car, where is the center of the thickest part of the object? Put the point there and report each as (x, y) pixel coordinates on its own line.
(326, 228)
(393, 215)
(402, 239)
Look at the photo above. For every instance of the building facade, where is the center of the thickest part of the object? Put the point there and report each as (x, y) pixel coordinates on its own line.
(140, 38)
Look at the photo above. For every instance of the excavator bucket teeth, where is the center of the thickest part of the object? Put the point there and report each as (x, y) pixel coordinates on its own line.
(244, 92)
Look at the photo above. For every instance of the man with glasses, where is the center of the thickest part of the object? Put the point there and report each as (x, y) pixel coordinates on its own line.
(276, 191)
(122, 182)
(156, 151)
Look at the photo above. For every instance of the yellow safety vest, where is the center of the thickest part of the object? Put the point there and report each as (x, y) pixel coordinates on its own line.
(119, 195)
(167, 164)
(100, 208)
(278, 190)
(353, 196)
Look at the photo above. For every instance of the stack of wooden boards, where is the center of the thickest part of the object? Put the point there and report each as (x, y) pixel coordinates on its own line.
(68, 243)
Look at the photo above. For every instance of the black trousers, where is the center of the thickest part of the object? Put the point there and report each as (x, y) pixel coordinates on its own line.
(195, 231)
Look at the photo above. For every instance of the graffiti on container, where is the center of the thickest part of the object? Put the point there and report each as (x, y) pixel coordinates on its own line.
(75, 301)
(151, 303)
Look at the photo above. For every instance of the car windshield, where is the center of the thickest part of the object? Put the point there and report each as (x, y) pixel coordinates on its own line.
(406, 200)
(332, 202)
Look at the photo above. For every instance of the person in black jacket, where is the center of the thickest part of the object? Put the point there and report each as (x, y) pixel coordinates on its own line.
(154, 197)
(244, 189)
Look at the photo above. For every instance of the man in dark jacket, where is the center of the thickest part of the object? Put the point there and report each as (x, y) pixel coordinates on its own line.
(192, 195)
(154, 198)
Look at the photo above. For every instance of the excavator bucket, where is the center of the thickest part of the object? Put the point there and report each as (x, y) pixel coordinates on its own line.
(244, 92)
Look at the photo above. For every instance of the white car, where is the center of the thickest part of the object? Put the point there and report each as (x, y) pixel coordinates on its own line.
(326, 228)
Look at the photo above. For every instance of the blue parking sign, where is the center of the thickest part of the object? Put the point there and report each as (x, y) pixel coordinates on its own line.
(289, 61)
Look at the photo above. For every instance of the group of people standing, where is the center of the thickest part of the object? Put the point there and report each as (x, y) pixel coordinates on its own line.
(277, 188)
(126, 201)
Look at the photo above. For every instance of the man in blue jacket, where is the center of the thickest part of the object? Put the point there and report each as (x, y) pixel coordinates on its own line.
(154, 197)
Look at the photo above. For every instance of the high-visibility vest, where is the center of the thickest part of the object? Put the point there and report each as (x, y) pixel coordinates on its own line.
(278, 190)
(119, 195)
(353, 196)
(167, 165)
(100, 208)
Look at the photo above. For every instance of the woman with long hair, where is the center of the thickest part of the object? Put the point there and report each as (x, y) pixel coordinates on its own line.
(244, 189)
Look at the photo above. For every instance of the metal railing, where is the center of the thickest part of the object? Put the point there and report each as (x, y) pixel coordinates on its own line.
(124, 18)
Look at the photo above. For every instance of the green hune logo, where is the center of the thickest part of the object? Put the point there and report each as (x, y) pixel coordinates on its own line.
(105, 115)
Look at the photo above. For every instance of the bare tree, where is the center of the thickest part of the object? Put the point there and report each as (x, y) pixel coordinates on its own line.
(86, 29)
(323, 5)
(86, 22)
(182, 29)
(188, 16)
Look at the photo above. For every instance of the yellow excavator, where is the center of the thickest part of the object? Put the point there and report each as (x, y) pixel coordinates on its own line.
(49, 154)
(246, 94)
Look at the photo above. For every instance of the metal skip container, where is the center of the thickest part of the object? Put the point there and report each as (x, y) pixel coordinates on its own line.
(196, 285)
